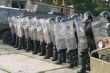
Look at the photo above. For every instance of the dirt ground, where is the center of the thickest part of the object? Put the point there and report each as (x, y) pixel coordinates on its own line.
(18, 61)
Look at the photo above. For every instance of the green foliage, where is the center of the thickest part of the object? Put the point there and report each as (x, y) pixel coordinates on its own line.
(81, 6)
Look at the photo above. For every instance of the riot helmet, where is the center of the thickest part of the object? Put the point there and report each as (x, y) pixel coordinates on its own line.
(88, 16)
(62, 20)
(105, 14)
(69, 18)
(57, 19)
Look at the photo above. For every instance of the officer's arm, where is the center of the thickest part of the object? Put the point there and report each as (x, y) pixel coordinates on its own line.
(88, 29)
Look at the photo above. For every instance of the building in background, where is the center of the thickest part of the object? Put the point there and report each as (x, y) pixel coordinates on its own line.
(43, 7)
(38, 6)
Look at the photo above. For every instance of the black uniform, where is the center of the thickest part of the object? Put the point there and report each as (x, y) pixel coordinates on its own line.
(49, 51)
(61, 52)
(85, 58)
(42, 48)
(36, 46)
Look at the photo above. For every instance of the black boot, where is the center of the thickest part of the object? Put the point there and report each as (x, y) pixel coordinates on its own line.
(27, 46)
(83, 68)
(43, 49)
(35, 48)
(16, 42)
(13, 39)
(55, 54)
(49, 51)
(84, 58)
(64, 55)
(24, 43)
(59, 57)
(20, 44)
(31, 45)
(71, 60)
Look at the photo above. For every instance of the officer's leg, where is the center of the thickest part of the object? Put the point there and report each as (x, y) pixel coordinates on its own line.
(64, 55)
(35, 47)
(23, 41)
(14, 39)
(12, 42)
(16, 43)
(43, 49)
(49, 51)
(26, 41)
(71, 60)
(28, 45)
(77, 60)
(38, 47)
(59, 57)
(84, 59)
(76, 57)
(31, 45)
(19, 44)
(55, 54)
(25, 44)
(92, 48)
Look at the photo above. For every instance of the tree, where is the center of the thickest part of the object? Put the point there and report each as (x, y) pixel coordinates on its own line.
(81, 6)
(58, 2)
(103, 5)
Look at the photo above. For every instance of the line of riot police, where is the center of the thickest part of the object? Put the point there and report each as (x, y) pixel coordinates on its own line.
(59, 38)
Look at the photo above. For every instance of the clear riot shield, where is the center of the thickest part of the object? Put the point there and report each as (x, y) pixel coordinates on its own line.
(26, 28)
(102, 40)
(59, 35)
(40, 36)
(100, 33)
(15, 25)
(20, 28)
(52, 31)
(31, 29)
(11, 24)
(46, 31)
(70, 38)
(35, 33)
(80, 33)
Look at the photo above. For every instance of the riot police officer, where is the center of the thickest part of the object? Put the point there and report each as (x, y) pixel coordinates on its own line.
(60, 41)
(11, 24)
(27, 35)
(16, 31)
(48, 38)
(55, 53)
(85, 58)
(20, 33)
(35, 41)
(42, 49)
(71, 42)
(106, 15)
